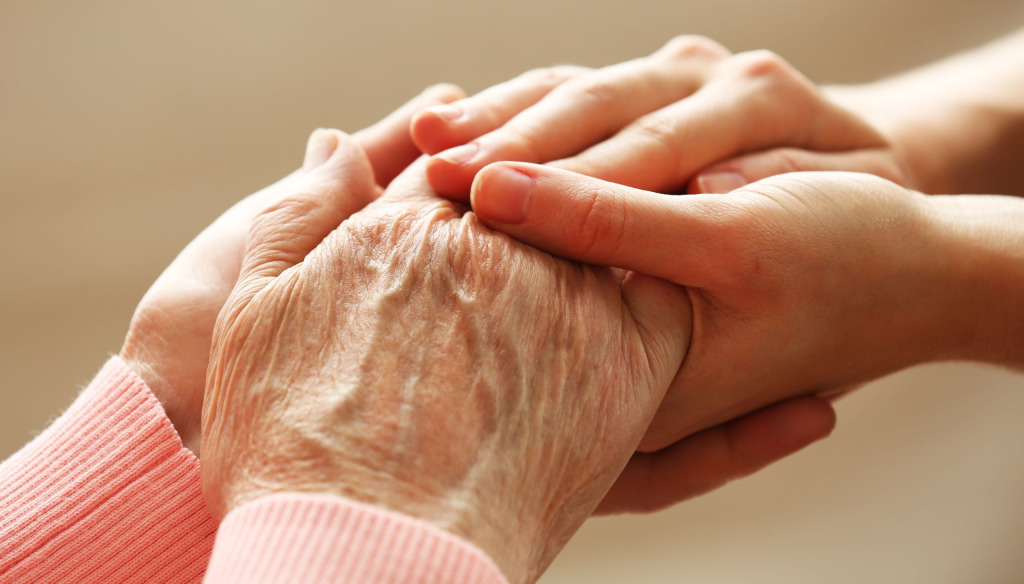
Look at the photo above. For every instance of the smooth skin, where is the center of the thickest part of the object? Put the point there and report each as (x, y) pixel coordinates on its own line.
(660, 123)
(694, 117)
(801, 284)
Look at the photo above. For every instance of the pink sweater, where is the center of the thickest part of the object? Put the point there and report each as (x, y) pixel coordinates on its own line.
(107, 493)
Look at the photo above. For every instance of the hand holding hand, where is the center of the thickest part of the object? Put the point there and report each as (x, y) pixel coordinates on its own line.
(801, 284)
(168, 341)
(413, 359)
(689, 114)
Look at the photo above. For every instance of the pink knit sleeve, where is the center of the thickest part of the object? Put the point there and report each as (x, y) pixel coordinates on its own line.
(322, 539)
(106, 494)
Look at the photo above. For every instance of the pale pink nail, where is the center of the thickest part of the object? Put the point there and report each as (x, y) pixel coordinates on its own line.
(720, 182)
(322, 144)
(461, 154)
(503, 195)
(448, 111)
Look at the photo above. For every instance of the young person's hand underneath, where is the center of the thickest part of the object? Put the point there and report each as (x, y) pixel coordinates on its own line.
(802, 284)
(689, 115)
(413, 359)
(168, 340)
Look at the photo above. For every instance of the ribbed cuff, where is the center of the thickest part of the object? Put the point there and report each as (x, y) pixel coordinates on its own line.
(107, 493)
(321, 539)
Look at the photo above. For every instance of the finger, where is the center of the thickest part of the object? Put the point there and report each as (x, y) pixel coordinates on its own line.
(446, 126)
(709, 459)
(388, 143)
(664, 318)
(756, 101)
(596, 222)
(732, 174)
(410, 192)
(294, 223)
(579, 113)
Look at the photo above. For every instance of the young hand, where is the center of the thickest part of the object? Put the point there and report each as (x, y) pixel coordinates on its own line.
(690, 115)
(802, 284)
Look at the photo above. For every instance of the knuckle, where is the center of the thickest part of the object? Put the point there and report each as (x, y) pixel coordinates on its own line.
(736, 246)
(287, 209)
(599, 224)
(526, 141)
(597, 91)
(657, 127)
(684, 47)
(551, 76)
(664, 132)
(762, 64)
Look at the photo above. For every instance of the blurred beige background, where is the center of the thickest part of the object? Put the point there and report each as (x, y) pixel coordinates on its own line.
(125, 127)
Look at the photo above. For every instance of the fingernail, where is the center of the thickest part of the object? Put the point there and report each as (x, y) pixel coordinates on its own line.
(448, 111)
(460, 155)
(322, 144)
(506, 197)
(719, 183)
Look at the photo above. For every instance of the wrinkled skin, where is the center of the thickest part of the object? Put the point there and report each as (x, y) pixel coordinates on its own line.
(419, 361)
(168, 340)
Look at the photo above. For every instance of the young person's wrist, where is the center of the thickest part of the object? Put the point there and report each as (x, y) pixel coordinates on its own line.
(981, 252)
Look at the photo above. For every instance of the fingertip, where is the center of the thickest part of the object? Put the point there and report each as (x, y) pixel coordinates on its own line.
(824, 417)
(449, 178)
(428, 127)
(718, 182)
(320, 146)
(432, 129)
(501, 193)
(445, 92)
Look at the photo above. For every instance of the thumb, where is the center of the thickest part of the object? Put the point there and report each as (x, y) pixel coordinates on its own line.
(339, 181)
(597, 222)
(734, 173)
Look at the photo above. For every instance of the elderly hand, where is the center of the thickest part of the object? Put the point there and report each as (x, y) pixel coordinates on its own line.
(168, 341)
(690, 114)
(806, 283)
(414, 359)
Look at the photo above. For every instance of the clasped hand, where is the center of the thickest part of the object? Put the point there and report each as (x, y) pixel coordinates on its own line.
(368, 338)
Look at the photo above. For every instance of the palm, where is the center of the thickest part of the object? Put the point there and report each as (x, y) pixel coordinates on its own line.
(168, 341)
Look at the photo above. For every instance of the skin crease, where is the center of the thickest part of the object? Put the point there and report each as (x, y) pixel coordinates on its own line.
(790, 277)
(414, 359)
(806, 283)
(168, 339)
(680, 118)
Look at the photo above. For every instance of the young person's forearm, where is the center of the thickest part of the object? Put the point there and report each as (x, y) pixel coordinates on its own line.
(983, 249)
(958, 122)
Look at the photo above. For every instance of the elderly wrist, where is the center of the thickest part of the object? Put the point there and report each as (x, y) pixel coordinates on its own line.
(484, 524)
